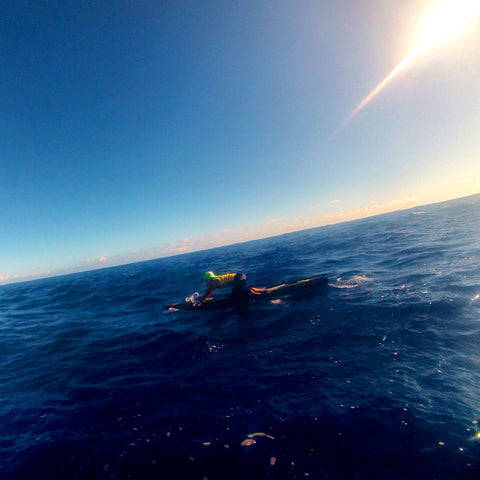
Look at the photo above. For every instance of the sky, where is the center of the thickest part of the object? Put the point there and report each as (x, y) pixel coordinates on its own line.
(135, 130)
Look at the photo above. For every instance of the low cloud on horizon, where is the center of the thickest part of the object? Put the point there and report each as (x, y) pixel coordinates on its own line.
(230, 235)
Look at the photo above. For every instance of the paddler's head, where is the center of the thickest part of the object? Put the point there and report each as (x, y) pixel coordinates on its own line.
(209, 276)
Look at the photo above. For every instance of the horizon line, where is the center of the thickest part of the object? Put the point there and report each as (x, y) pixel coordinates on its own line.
(178, 246)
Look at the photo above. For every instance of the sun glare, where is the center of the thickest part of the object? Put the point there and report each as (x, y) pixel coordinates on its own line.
(449, 17)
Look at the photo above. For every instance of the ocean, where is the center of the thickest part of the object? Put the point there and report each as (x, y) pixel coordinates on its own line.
(376, 376)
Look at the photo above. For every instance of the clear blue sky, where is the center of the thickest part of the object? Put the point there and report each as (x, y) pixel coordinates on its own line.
(132, 130)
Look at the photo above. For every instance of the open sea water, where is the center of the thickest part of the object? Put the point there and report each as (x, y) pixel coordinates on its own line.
(375, 377)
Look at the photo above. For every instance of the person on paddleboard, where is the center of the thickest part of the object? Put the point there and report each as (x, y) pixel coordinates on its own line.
(235, 280)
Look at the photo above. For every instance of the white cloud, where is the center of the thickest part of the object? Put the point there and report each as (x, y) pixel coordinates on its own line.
(277, 226)
(7, 278)
(377, 209)
(102, 259)
(185, 246)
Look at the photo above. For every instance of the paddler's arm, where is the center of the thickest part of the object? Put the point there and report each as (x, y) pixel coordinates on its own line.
(212, 285)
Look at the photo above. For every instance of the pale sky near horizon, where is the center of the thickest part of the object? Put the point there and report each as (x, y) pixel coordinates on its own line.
(134, 130)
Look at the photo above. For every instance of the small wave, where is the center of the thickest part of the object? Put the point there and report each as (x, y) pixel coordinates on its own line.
(353, 282)
(171, 310)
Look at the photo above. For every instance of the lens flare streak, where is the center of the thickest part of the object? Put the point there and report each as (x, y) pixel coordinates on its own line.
(449, 18)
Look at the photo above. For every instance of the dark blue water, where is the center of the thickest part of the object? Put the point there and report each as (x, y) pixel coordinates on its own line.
(376, 377)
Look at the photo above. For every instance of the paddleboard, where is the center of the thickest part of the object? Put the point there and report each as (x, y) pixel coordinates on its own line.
(255, 294)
